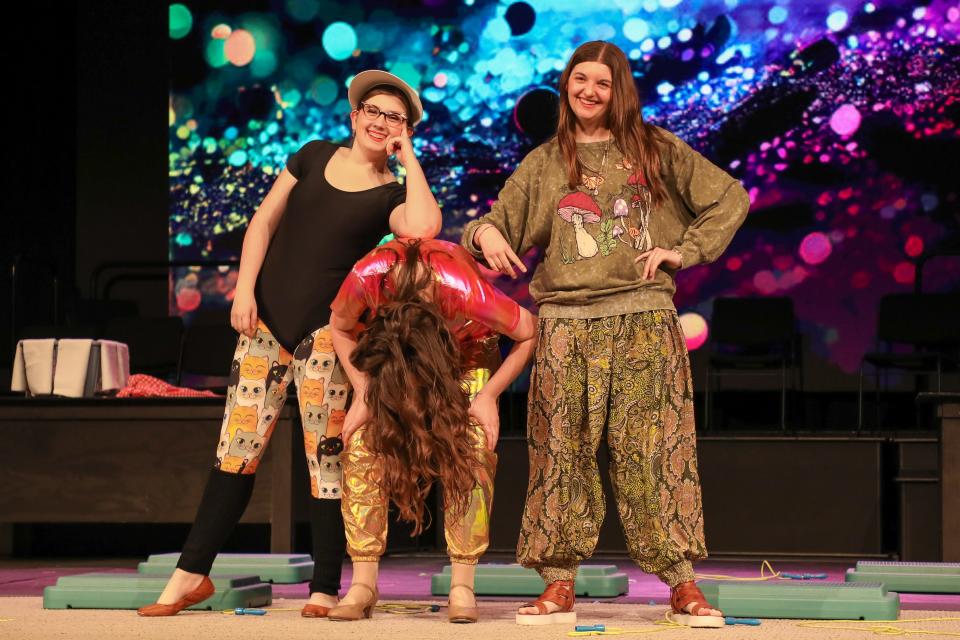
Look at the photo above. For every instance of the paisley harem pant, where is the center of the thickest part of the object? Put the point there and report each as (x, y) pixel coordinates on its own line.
(626, 377)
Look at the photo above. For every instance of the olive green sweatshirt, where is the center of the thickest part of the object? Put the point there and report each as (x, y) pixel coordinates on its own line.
(589, 240)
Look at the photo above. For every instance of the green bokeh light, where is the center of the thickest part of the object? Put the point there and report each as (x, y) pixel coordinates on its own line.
(181, 21)
(369, 38)
(264, 63)
(324, 90)
(291, 97)
(339, 40)
(215, 55)
(407, 72)
(265, 30)
(238, 158)
(303, 10)
(301, 69)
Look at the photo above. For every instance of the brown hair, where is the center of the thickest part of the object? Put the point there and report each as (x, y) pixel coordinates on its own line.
(638, 141)
(419, 426)
(390, 90)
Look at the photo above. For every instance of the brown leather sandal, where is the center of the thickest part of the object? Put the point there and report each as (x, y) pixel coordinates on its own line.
(560, 593)
(685, 594)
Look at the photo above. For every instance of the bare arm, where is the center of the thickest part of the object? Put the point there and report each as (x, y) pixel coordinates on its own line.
(525, 342)
(263, 224)
(484, 406)
(344, 343)
(419, 216)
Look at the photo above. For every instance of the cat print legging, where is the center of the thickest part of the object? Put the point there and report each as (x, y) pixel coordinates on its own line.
(365, 506)
(259, 378)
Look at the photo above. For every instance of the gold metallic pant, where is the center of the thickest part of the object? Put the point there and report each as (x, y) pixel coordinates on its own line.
(365, 506)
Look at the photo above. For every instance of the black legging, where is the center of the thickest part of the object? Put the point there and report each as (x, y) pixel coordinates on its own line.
(261, 373)
(225, 498)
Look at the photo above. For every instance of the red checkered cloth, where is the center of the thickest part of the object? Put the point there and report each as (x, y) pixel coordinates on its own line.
(141, 385)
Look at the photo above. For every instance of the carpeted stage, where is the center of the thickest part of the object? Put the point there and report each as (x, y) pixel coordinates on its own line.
(406, 579)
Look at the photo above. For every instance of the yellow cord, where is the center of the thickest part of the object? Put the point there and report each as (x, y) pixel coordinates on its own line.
(403, 609)
(617, 631)
(385, 608)
(764, 566)
(767, 572)
(267, 609)
(881, 627)
(667, 624)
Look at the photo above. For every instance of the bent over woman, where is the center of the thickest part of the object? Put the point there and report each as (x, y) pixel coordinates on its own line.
(426, 376)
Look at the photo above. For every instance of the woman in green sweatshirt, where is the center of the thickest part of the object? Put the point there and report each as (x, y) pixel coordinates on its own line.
(618, 206)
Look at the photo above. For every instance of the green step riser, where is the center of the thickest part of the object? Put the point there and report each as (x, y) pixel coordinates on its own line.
(121, 581)
(509, 570)
(260, 566)
(821, 601)
(279, 568)
(266, 559)
(598, 580)
(905, 571)
(286, 575)
(533, 586)
(72, 598)
(130, 591)
(910, 584)
(910, 568)
(809, 611)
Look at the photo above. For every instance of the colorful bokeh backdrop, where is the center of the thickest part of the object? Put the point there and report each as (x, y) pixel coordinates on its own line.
(838, 117)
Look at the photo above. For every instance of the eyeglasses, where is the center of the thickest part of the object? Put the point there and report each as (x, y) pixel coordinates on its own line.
(373, 112)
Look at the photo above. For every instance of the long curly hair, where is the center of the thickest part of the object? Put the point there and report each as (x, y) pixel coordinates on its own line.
(639, 142)
(419, 424)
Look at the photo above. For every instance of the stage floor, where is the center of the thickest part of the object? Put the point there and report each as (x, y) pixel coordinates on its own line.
(24, 619)
(407, 577)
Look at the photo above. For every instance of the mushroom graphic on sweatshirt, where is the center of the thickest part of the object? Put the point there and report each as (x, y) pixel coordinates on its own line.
(641, 200)
(620, 214)
(578, 208)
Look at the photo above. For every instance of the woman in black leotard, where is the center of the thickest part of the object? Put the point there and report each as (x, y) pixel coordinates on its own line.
(327, 208)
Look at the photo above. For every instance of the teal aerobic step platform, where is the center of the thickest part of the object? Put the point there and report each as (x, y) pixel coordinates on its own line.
(909, 577)
(599, 580)
(804, 600)
(279, 568)
(133, 590)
